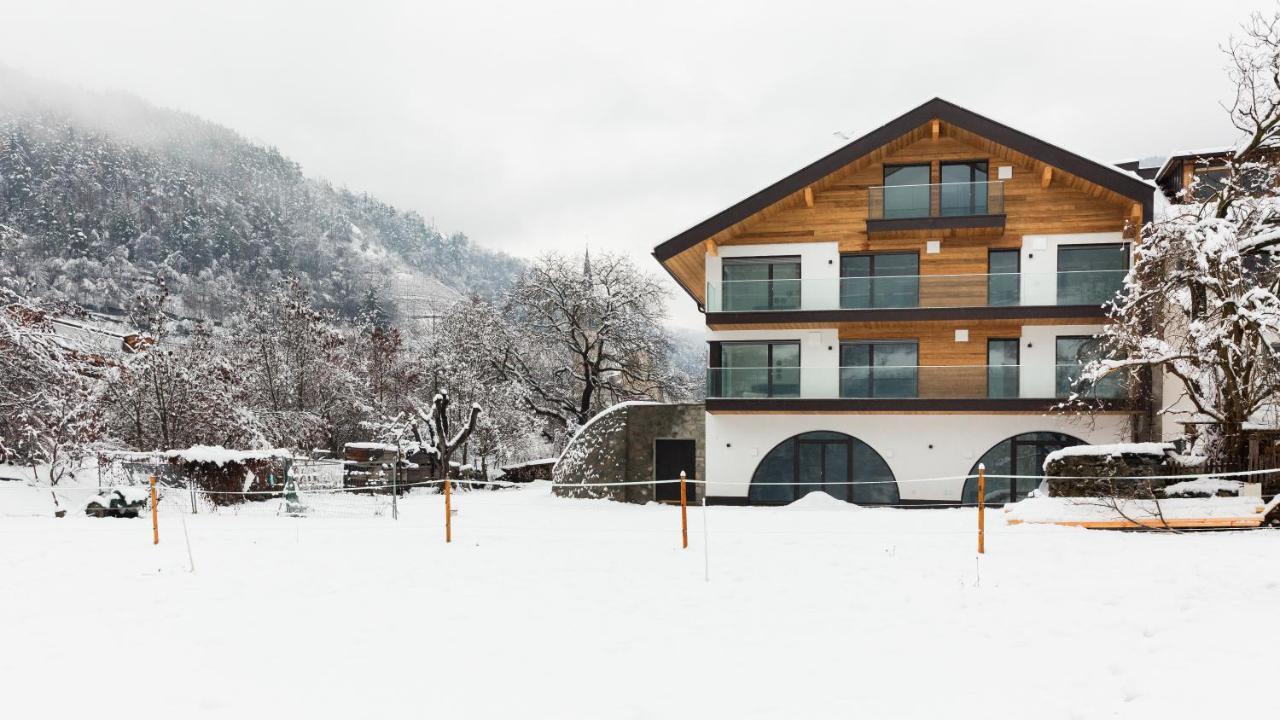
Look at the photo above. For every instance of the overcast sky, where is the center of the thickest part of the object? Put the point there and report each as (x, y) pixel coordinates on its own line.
(538, 125)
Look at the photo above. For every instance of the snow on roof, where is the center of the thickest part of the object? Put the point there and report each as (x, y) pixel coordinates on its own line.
(528, 463)
(607, 411)
(370, 446)
(1181, 154)
(1117, 449)
(219, 455)
(1206, 485)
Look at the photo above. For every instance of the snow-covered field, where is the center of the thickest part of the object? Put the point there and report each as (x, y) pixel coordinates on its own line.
(555, 608)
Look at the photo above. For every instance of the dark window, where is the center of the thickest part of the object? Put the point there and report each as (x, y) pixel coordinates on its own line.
(1073, 353)
(878, 369)
(771, 283)
(882, 280)
(906, 191)
(1002, 368)
(837, 464)
(1208, 181)
(757, 370)
(1019, 455)
(1091, 274)
(964, 188)
(1003, 280)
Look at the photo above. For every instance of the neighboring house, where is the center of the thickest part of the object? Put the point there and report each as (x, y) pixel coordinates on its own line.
(1200, 170)
(908, 306)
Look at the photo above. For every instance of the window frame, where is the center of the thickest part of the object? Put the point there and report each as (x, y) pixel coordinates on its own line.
(1017, 274)
(872, 276)
(871, 359)
(769, 367)
(771, 261)
(1017, 363)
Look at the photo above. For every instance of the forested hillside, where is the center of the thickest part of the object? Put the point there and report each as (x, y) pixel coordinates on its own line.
(103, 192)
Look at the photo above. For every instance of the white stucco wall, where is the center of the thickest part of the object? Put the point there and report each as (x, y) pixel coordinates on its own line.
(915, 446)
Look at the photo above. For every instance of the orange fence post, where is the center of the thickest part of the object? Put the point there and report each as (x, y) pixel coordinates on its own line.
(155, 514)
(684, 512)
(448, 511)
(982, 509)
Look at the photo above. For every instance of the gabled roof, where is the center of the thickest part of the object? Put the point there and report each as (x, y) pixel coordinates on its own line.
(1107, 176)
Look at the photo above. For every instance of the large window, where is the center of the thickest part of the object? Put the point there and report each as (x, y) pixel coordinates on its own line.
(1072, 354)
(878, 369)
(1002, 368)
(1019, 455)
(1003, 278)
(906, 191)
(1091, 274)
(880, 280)
(757, 370)
(964, 188)
(767, 283)
(844, 467)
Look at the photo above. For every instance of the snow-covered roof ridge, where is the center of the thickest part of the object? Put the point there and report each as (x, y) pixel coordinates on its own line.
(219, 455)
(1157, 449)
(603, 413)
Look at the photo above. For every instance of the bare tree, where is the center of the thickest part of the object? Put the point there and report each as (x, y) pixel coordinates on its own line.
(577, 335)
(1200, 302)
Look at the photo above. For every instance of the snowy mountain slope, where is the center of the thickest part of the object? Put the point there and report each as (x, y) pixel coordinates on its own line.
(104, 190)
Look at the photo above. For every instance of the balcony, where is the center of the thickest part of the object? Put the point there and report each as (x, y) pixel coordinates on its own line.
(1073, 289)
(936, 206)
(1014, 387)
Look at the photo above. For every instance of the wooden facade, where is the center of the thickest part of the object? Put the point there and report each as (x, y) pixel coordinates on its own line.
(1046, 191)
(1039, 199)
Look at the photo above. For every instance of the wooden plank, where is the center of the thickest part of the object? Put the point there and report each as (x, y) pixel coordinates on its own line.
(1047, 178)
(808, 197)
(1152, 523)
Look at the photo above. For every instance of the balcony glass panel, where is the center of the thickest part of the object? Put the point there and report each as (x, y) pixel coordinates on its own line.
(862, 381)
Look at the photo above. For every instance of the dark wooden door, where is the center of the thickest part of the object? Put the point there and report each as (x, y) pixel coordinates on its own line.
(670, 457)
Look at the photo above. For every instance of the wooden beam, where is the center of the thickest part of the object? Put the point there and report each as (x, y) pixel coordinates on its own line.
(937, 129)
(808, 196)
(712, 249)
(1047, 177)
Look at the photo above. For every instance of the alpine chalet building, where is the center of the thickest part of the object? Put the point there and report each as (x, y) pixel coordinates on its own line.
(906, 307)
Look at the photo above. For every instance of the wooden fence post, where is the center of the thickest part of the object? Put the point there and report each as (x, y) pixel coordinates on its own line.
(982, 509)
(684, 513)
(448, 510)
(155, 514)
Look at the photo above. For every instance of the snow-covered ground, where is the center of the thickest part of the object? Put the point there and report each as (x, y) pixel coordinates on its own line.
(559, 608)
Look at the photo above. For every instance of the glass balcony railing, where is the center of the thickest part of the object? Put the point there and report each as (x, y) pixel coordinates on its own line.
(909, 381)
(1071, 287)
(905, 202)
